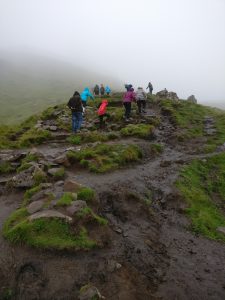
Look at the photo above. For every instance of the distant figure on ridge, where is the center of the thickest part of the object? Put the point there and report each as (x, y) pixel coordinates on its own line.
(128, 97)
(96, 90)
(141, 100)
(107, 90)
(75, 105)
(85, 95)
(102, 113)
(150, 87)
(102, 90)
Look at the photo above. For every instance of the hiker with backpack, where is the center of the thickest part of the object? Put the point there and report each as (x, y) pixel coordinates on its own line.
(128, 86)
(128, 98)
(102, 90)
(103, 116)
(107, 90)
(141, 100)
(84, 97)
(96, 90)
(150, 87)
(76, 107)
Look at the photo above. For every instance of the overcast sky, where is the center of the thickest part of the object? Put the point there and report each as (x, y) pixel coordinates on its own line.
(177, 44)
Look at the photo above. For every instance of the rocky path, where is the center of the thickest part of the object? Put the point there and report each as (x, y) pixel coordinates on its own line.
(150, 252)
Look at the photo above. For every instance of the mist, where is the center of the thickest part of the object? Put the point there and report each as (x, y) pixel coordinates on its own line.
(176, 44)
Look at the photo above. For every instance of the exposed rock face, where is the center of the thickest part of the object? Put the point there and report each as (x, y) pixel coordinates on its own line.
(35, 206)
(24, 179)
(76, 206)
(164, 94)
(192, 99)
(72, 186)
(49, 214)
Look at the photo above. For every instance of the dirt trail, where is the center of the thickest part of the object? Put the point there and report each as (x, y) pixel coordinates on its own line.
(159, 257)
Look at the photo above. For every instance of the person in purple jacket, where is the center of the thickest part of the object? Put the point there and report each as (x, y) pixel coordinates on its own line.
(128, 98)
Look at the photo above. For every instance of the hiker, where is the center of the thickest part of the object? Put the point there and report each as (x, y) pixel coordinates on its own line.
(107, 90)
(128, 97)
(128, 86)
(96, 90)
(141, 100)
(75, 104)
(150, 87)
(102, 113)
(84, 97)
(102, 90)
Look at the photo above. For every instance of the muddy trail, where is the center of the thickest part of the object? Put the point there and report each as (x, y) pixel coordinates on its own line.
(149, 251)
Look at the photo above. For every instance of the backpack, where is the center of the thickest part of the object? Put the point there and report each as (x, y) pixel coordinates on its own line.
(102, 109)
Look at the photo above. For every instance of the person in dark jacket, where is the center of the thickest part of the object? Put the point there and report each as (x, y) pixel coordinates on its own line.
(128, 87)
(76, 107)
(150, 87)
(102, 90)
(96, 90)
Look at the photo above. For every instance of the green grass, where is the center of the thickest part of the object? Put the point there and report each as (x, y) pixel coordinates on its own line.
(39, 177)
(26, 162)
(29, 193)
(47, 234)
(88, 213)
(33, 137)
(139, 130)
(66, 199)
(104, 157)
(157, 148)
(5, 167)
(202, 184)
(59, 174)
(86, 194)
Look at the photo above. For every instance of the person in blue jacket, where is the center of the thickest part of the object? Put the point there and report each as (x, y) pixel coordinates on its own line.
(107, 90)
(85, 95)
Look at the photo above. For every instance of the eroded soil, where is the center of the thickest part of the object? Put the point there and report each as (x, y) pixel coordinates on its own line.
(149, 251)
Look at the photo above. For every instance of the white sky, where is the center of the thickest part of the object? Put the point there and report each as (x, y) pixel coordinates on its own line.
(177, 44)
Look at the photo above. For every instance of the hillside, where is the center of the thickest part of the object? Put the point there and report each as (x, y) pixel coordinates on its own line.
(134, 210)
(30, 84)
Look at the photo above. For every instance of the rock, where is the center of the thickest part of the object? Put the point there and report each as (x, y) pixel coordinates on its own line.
(72, 186)
(53, 171)
(62, 160)
(112, 266)
(24, 179)
(49, 214)
(192, 99)
(164, 94)
(76, 206)
(59, 183)
(221, 230)
(89, 292)
(35, 206)
(53, 128)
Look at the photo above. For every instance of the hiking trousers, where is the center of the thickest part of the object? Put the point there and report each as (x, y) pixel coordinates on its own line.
(141, 105)
(77, 119)
(102, 121)
(127, 106)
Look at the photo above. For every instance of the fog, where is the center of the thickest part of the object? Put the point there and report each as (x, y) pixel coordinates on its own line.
(175, 44)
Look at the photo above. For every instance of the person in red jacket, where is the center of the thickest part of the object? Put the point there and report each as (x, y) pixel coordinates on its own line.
(102, 113)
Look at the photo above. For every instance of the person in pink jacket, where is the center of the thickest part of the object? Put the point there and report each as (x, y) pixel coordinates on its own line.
(128, 98)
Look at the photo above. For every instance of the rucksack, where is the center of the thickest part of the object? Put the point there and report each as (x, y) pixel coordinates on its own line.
(102, 109)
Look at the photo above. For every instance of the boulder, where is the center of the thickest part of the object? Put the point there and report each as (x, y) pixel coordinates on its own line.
(76, 206)
(72, 186)
(35, 206)
(89, 292)
(62, 160)
(49, 214)
(192, 99)
(221, 230)
(164, 94)
(53, 171)
(53, 128)
(24, 179)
